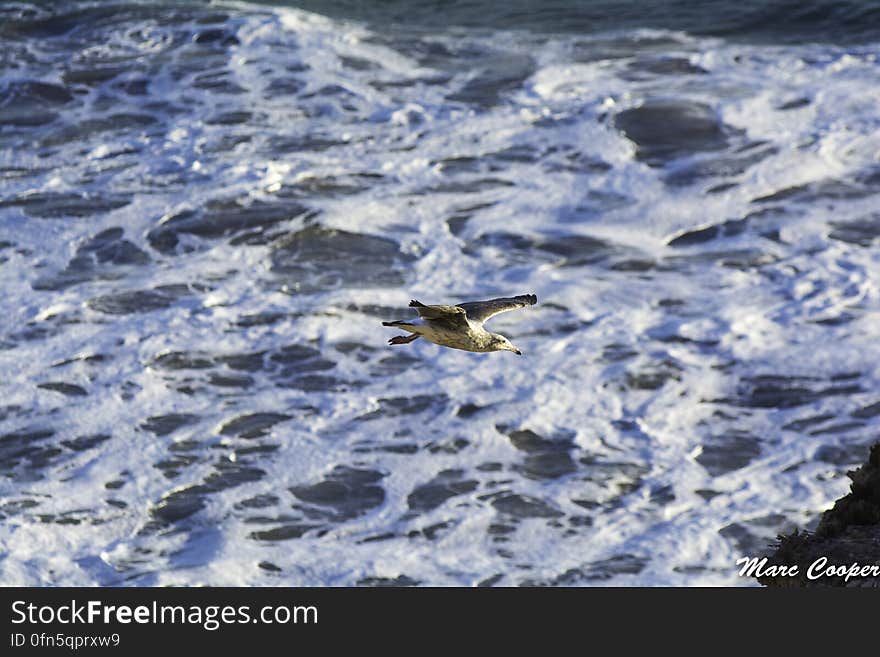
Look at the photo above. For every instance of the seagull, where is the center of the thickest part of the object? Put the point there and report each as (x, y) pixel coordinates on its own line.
(461, 326)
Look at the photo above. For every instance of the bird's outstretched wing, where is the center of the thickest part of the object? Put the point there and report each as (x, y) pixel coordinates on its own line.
(480, 311)
(452, 314)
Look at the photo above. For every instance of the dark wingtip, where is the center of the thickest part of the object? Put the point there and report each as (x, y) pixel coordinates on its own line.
(414, 303)
(518, 352)
(531, 298)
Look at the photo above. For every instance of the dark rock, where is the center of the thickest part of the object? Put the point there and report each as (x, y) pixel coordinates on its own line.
(847, 534)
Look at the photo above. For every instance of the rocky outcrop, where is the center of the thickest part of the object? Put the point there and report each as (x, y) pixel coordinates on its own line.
(845, 548)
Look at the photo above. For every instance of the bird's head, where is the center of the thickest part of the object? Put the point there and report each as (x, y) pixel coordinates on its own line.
(500, 343)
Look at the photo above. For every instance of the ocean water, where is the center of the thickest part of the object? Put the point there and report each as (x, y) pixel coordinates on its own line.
(208, 209)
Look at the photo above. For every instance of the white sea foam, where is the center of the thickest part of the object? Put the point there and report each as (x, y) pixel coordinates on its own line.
(679, 466)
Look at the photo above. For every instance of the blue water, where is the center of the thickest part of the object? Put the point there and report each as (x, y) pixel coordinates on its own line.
(207, 210)
(791, 22)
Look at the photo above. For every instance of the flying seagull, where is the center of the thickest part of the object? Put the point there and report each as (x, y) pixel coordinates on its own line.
(461, 326)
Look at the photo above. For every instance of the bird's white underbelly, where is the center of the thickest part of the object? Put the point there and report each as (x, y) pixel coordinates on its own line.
(466, 340)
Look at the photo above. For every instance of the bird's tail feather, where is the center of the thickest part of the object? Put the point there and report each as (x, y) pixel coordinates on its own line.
(403, 339)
